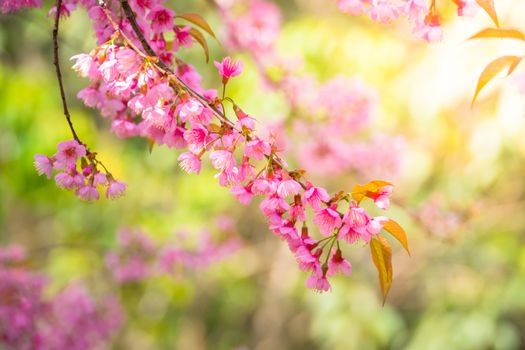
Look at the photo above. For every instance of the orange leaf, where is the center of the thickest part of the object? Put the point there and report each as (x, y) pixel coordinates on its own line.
(382, 258)
(398, 232)
(198, 21)
(488, 6)
(197, 35)
(360, 192)
(499, 33)
(493, 69)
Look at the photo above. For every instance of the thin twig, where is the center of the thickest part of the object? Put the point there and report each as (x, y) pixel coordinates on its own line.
(56, 62)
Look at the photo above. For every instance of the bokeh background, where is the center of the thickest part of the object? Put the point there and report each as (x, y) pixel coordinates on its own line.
(459, 193)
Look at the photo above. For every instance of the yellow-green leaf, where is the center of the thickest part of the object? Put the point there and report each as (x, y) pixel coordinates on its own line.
(499, 33)
(382, 257)
(488, 6)
(398, 232)
(197, 35)
(198, 21)
(493, 69)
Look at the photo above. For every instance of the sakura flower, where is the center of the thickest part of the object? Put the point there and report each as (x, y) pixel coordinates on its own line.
(222, 160)
(287, 188)
(257, 149)
(190, 162)
(328, 220)
(358, 224)
(84, 65)
(318, 281)
(243, 194)
(338, 263)
(88, 193)
(43, 165)
(315, 196)
(467, 8)
(183, 37)
(307, 260)
(161, 19)
(382, 197)
(69, 179)
(263, 187)
(116, 189)
(69, 152)
(228, 69)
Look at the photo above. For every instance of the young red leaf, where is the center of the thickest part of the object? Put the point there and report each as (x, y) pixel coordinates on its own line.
(198, 21)
(197, 35)
(499, 33)
(382, 257)
(493, 69)
(398, 232)
(488, 6)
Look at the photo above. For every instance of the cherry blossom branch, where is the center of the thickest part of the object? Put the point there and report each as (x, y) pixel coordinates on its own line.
(56, 62)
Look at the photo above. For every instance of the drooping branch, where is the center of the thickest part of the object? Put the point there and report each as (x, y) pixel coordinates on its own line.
(56, 62)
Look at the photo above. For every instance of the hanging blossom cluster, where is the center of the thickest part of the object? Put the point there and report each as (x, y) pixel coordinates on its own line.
(142, 96)
(325, 124)
(79, 171)
(423, 14)
(137, 257)
(71, 319)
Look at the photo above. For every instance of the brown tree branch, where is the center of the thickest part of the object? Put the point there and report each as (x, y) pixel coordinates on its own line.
(56, 62)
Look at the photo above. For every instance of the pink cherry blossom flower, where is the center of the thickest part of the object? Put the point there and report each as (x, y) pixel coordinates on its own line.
(196, 138)
(382, 197)
(263, 187)
(318, 281)
(306, 259)
(190, 162)
(243, 194)
(338, 263)
(315, 196)
(328, 220)
(43, 165)
(358, 224)
(15, 5)
(88, 193)
(287, 188)
(467, 8)
(69, 152)
(183, 37)
(229, 69)
(100, 179)
(116, 189)
(69, 180)
(257, 149)
(161, 19)
(222, 160)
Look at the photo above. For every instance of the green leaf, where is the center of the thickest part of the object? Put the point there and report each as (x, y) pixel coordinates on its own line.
(398, 232)
(382, 257)
(198, 21)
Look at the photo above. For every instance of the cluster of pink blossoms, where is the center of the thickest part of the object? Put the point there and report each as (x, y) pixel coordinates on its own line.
(15, 5)
(170, 108)
(79, 171)
(424, 16)
(71, 319)
(137, 257)
(143, 97)
(325, 124)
